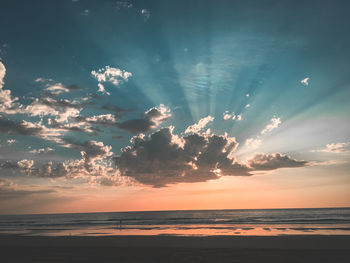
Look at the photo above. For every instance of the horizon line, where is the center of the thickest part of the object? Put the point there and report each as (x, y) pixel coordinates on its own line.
(181, 210)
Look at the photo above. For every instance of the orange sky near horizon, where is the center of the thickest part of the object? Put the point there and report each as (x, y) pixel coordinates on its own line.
(284, 188)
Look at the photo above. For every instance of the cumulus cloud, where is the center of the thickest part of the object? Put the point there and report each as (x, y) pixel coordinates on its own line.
(231, 116)
(25, 164)
(273, 161)
(274, 123)
(340, 147)
(164, 158)
(151, 119)
(2, 74)
(202, 123)
(8, 104)
(95, 161)
(305, 81)
(62, 109)
(109, 74)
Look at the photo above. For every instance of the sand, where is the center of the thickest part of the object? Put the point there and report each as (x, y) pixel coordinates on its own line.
(175, 249)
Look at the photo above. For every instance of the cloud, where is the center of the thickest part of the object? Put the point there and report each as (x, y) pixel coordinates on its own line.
(43, 80)
(150, 120)
(95, 161)
(202, 123)
(231, 116)
(109, 74)
(32, 129)
(340, 147)
(11, 141)
(102, 90)
(46, 150)
(274, 123)
(146, 14)
(20, 128)
(123, 5)
(9, 190)
(253, 143)
(56, 88)
(105, 119)
(273, 161)
(164, 158)
(91, 151)
(2, 74)
(25, 164)
(8, 104)
(305, 81)
(62, 109)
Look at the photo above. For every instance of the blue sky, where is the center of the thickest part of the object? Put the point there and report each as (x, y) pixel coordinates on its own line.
(90, 75)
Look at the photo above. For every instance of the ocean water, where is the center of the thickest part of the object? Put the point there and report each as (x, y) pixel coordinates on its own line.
(324, 221)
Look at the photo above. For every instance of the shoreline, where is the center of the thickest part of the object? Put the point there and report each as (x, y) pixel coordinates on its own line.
(265, 242)
(154, 249)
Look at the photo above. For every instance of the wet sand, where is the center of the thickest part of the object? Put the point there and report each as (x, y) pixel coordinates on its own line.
(175, 249)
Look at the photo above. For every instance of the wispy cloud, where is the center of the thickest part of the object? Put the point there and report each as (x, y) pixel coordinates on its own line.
(340, 147)
(197, 127)
(255, 143)
(274, 123)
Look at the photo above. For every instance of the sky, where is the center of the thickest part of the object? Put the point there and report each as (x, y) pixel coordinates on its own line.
(169, 105)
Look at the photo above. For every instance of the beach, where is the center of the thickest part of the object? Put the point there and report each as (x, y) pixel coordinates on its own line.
(288, 248)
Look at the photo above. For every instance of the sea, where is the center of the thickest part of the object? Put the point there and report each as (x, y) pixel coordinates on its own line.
(254, 222)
